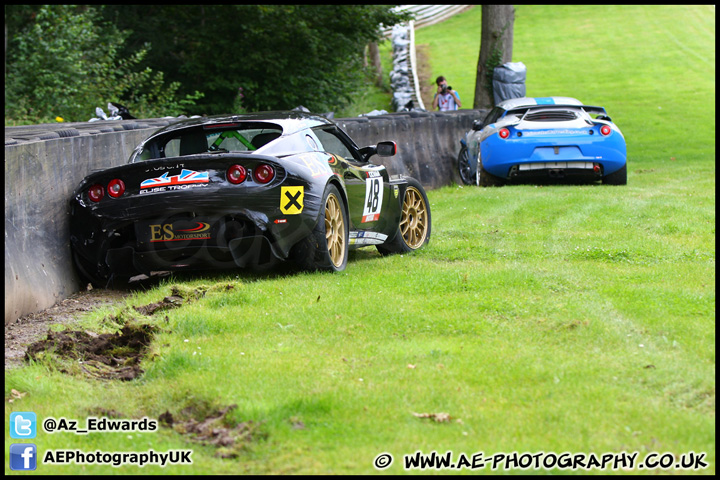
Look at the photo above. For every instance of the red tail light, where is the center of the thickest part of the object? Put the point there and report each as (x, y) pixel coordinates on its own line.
(236, 174)
(264, 173)
(504, 133)
(605, 130)
(116, 188)
(96, 193)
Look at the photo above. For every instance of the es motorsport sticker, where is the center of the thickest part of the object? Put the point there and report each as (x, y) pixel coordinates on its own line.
(169, 232)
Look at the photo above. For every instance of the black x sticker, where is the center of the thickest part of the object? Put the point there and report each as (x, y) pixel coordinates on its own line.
(293, 200)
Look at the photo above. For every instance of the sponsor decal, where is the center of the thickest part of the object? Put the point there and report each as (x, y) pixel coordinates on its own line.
(165, 167)
(557, 131)
(316, 167)
(168, 232)
(185, 179)
(367, 238)
(373, 197)
(291, 200)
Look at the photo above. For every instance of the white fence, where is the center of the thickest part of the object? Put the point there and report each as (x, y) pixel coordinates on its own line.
(404, 76)
(429, 14)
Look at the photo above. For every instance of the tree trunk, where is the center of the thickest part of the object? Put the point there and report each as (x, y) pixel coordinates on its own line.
(496, 42)
(374, 53)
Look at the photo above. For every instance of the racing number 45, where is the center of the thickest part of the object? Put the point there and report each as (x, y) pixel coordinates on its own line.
(373, 198)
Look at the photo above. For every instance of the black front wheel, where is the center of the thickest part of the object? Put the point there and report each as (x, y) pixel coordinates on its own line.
(466, 173)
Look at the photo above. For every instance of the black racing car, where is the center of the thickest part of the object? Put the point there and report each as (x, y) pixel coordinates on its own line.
(244, 191)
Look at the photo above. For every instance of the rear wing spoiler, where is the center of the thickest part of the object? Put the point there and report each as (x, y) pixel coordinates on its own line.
(595, 110)
(591, 110)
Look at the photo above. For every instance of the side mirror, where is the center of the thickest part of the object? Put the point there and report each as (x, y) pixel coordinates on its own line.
(386, 149)
(382, 149)
(477, 125)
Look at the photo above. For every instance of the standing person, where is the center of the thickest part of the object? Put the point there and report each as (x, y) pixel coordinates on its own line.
(445, 98)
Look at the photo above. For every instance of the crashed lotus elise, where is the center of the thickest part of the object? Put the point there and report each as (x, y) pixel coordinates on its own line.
(244, 191)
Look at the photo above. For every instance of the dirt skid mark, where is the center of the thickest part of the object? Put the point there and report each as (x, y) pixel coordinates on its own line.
(107, 356)
(178, 296)
(214, 430)
(32, 327)
(165, 304)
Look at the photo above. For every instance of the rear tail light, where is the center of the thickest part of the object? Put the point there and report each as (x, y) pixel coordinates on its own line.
(504, 133)
(236, 174)
(605, 130)
(96, 193)
(116, 188)
(263, 173)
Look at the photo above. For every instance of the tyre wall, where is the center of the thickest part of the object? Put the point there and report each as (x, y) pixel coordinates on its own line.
(44, 164)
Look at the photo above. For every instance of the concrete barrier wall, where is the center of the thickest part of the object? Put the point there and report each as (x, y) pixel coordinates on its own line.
(428, 143)
(45, 163)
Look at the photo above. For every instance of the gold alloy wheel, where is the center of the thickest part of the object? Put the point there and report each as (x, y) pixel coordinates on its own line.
(335, 230)
(414, 219)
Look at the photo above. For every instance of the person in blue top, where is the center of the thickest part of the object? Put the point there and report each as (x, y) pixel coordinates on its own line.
(445, 98)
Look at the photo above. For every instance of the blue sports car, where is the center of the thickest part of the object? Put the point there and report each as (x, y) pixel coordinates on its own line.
(551, 139)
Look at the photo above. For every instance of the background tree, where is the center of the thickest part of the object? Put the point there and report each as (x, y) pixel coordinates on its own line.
(63, 60)
(496, 42)
(281, 56)
(375, 62)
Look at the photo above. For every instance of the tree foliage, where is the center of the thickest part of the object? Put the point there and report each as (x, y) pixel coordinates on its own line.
(281, 56)
(64, 60)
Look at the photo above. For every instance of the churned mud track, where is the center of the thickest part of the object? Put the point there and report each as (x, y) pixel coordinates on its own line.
(34, 327)
(108, 355)
(117, 356)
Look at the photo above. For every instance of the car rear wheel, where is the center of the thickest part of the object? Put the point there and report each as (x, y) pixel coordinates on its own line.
(415, 222)
(616, 178)
(485, 179)
(88, 272)
(466, 174)
(326, 248)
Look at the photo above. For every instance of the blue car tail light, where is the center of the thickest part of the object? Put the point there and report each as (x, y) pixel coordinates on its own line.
(605, 130)
(504, 133)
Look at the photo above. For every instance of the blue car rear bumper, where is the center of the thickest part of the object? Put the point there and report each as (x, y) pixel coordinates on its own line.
(537, 153)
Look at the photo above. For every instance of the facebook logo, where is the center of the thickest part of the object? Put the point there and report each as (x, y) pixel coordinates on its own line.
(23, 425)
(23, 456)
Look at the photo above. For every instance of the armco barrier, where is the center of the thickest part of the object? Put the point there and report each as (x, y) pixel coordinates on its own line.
(44, 164)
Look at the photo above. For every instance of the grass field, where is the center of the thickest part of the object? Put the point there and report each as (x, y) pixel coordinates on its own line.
(558, 319)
